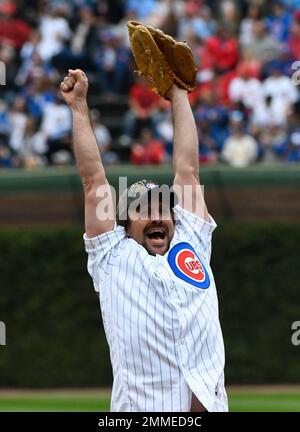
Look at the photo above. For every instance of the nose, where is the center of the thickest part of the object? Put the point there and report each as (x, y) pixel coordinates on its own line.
(155, 221)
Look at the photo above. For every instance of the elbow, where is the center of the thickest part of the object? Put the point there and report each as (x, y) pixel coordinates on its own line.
(188, 172)
(92, 182)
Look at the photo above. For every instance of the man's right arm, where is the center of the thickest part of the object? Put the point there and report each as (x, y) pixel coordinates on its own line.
(74, 90)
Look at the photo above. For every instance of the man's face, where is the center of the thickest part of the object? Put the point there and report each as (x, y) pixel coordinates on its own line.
(154, 230)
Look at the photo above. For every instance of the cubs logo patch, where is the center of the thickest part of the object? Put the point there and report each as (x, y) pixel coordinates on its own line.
(187, 265)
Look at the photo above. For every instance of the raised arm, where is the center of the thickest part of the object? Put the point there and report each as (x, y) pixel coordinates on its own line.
(74, 90)
(186, 153)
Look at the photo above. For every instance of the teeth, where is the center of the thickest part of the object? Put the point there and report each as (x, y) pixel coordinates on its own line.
(156, 233)
(156, 230)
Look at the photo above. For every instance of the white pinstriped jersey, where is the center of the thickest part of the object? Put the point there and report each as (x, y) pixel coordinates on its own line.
(160, 315)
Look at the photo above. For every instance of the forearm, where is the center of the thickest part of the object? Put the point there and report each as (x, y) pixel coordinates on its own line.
(186, 154)
(74, 89)
(186, 145)
(86, 150)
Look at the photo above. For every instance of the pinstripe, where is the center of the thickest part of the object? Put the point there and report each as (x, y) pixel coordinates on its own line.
(181, 336)
(196, 315)
(139, 342)
(157, 348)
(194, 343)
(168, 359)
(123, 314)
(206, 343)
(164, 335)
(201, 311)
(130, 313)
(213, 322)
(117, 313)
(138, 325)
(177, 239)
(149, 351)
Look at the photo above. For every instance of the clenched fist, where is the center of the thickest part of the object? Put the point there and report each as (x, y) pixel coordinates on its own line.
(74, 87)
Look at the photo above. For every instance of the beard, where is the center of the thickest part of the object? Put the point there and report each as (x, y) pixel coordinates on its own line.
(153, 251)
(157, 238)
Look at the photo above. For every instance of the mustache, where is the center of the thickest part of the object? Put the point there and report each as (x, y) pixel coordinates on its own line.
(156, 224)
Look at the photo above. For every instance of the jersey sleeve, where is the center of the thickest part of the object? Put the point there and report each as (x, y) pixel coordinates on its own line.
(196, 228)
(99, 250)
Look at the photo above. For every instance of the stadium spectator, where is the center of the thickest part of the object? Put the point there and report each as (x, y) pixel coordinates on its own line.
(54, 30)
(280, 88)
(5, 126)
(167, 15)
(273, 140)
(32, 68)
(229, 11)
(196, 19)
(56, 126)
(246, 30)
(142, 9)
(294, 147)
(268, 112)
(143, 106)
(279, 21)
(30, 46)
(246, 88)
(294, 38)
(34, 146)
(221, 50)
(79, 50)
(112, 64)
(292, 4)
(17, 120)
(147, 149)
(212, 120)
(208, 146)
(7, 160)
(240, 148)
(263, 46)
(13, 31)
(8, 58)
(39, 93)
(292, 150)
(164, 126)
(103, 138)
(243, 50)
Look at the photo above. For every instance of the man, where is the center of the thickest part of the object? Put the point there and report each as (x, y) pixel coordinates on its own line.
(157, 292)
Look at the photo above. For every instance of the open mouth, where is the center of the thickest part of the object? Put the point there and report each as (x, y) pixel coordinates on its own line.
(156, 239)
(156, 234)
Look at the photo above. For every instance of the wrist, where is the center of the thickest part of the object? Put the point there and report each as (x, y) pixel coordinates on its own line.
(79, 106)
(176, 92)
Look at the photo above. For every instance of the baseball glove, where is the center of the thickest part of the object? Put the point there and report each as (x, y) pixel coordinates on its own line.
(161, 59)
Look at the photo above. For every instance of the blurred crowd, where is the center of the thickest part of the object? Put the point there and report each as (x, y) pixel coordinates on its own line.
(246, 104)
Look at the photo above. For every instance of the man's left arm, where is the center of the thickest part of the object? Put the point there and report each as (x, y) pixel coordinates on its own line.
(186, 154)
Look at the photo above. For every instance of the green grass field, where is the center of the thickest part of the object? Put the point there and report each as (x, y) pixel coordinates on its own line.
(245, 399)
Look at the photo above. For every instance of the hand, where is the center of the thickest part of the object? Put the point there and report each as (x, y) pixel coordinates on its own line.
(74, 87)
